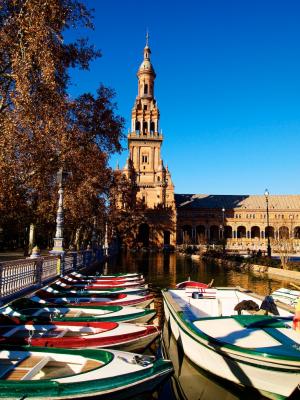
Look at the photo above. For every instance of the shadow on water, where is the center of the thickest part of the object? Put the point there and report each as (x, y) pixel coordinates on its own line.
(165, 270)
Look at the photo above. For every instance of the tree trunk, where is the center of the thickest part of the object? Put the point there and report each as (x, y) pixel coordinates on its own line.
(77, 238)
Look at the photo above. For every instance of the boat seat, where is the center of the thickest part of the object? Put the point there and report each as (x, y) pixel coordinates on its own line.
(11, 331)
(91, 364)
(27, 368)
(6, 365)
(226, 306)
(73, 313)
(204, 307)
(62, 333)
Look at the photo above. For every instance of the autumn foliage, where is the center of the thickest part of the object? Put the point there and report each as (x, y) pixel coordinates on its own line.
(41, 128)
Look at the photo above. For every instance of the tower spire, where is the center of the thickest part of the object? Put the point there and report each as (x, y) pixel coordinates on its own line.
(147, 38)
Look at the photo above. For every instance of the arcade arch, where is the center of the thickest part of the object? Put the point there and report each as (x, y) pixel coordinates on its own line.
(200, 234)
(241, 232)
(255, 232)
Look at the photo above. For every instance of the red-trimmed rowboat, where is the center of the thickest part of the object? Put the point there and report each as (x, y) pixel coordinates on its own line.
(105, 280)
(103, 285)
(123, 336)
(191, 285)
(135, 275)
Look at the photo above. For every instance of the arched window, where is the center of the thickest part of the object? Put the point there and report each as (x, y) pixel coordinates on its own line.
(227, 232)
(269, 231)
(283, 232)
(143, 235)
(137, 126)
(152, 127)
(146, 89)
(145, 158)
(158, 179)
(241, 232)
(200, 234)
(145, 127)
(297, 232)
(255, 232)
(187, 234)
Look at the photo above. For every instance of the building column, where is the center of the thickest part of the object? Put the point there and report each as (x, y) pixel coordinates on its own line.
(193, 235)
(153, 155)
(207, 233)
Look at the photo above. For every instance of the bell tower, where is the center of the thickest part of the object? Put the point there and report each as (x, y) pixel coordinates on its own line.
(153, 179)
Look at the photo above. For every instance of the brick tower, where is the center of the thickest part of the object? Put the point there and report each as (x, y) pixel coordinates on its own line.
(153, 179)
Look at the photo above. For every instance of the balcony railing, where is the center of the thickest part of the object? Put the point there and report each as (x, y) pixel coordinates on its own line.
(21, 276)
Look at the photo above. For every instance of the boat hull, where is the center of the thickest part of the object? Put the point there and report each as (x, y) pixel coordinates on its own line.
(38, 312)
(117, 378)
(122, 336)
(103, 285)
(273, 381)
(112, 300)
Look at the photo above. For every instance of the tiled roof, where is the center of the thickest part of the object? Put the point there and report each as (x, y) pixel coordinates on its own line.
(249, 202)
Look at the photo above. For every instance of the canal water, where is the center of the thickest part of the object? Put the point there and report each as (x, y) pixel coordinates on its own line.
(165, 270)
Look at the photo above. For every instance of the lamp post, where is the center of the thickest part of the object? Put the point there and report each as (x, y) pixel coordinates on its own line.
(58, 247)
(268, 227)
(106, 247)
(94, 234)
(223, 229)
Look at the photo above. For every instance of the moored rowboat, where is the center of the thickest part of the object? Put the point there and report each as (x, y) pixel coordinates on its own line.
(105, 279)
(102, 285)
(109, 300)
(286, 296)
(106, 276)
(43, 373)
(258, 351)
(55, 288)
(191, 285)
(123, 336)
(28, 309)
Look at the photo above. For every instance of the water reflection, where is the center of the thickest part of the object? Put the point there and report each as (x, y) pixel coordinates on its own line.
(191, 383)
(165, 270)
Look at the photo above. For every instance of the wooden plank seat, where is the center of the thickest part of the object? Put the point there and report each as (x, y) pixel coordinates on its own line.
(91, 364)
(61, 333)
(73, 313)
(26, 368)
(7, 365)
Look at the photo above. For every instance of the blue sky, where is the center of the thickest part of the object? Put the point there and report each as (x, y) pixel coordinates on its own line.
(227, 86)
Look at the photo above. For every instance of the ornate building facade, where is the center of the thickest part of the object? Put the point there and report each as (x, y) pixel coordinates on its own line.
(240, 221)
(153, 182)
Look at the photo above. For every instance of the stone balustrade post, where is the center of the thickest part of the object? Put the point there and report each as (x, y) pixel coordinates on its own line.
(39, 271)
(74, 255)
